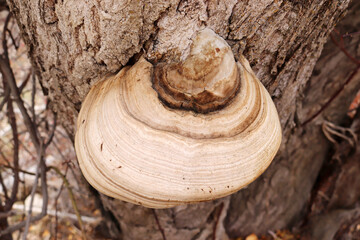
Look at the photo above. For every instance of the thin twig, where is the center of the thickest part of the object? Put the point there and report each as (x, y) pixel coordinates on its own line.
(20, 170)
(12, 39)
(66, 161)
(12, 121)
(158, 224)
(56, 204)
(273, 235)
(4, 39)
(6, 96)
(352, 75)
(59, 150)
(52, 133)
(27, 150)
(24, 83)
(9, 77)
(7, 214)
(33, 92)
(11, 88)
(72, 198)
(44, 206)
(5, 49)
(341, 46)
(217, 220)
(330, 129)
(18, 209)
(351, 34)
(33, 190)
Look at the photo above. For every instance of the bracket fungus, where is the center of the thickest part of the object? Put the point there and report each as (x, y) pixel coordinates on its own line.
(171, 134)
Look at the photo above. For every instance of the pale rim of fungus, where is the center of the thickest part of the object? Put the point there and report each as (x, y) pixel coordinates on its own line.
(134, 147)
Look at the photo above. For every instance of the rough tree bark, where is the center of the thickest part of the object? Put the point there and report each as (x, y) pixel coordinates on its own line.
(72, 44)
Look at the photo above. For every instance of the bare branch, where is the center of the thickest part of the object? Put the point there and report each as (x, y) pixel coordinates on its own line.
(23, 84)
(159, 225)
(348, 80)
(6, 97)
(56, 204)
(27, 150)
(9, 77)
(7, 214)
(44, 192)
(221, 207)
(52, 133)
(4, 40)
(33, 190)
(341, 46)
(12, 39)
(20, 170)
(33, 92)
(12, 93)
(12, 121)
(72, 198)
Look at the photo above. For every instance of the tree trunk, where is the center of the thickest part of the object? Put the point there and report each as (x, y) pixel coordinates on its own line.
(73, 44)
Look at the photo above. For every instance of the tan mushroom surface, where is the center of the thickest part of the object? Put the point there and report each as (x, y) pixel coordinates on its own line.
(171, 134)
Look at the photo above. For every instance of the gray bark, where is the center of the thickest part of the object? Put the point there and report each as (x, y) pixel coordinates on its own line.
(73, 44)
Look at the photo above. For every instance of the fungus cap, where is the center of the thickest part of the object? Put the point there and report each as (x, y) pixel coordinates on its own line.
(171, 134)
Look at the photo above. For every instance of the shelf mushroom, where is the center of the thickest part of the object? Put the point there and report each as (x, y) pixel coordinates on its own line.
(172, 134)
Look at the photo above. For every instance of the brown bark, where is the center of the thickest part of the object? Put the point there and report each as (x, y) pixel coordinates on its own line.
(73, 44)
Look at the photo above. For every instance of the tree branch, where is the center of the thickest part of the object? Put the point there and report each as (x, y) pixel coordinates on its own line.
(12, 121)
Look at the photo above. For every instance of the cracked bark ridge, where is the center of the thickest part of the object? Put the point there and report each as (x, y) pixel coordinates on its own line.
(282, 40)
(73, 44)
